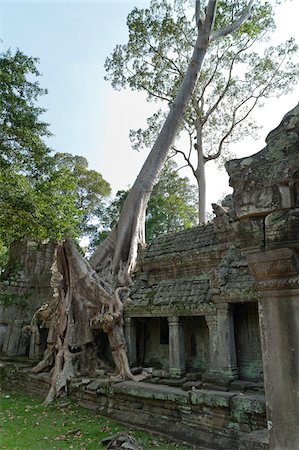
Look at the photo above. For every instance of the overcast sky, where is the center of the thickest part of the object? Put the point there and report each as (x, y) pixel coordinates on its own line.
(72, 40)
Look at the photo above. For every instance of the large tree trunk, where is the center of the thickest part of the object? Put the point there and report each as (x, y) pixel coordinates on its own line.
(88, 293)
(117, 255)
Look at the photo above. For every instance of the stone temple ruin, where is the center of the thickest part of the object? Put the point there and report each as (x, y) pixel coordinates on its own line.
(213, 316)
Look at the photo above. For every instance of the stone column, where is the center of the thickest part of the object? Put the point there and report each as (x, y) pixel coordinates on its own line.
(277, 275)
(223, 361)
(227, 359)
(176, 347)
(130, 333)
(213, 345)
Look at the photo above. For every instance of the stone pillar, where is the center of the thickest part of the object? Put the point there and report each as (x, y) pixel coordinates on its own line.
(277, 275)
(176, 347)
(130, 333)
(223, 361)
(213, 344)
(227, 359)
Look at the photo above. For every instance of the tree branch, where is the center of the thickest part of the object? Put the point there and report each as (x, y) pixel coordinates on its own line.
(234, 25)
(185, 158)
(198, 19)
(171, 61)
(234, 124)
(210, 15)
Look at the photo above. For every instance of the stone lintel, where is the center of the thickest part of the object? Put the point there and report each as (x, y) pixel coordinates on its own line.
(274, 264)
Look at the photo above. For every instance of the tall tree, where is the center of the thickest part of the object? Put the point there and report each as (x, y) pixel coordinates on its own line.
(86, 293)
(237, 76)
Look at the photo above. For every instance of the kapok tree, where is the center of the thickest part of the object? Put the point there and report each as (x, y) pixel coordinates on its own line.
(86, 293)
(239, 73)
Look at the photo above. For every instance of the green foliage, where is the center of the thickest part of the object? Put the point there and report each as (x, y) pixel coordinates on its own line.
(27, 424)
(89, 189)
(22, 131)
(3, 256)
(41, 195)
(171, 207)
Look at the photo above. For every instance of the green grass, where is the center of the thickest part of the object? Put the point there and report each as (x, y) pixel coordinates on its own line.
(27, 424)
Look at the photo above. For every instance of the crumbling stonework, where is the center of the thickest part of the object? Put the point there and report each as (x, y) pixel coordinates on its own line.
(24, 287)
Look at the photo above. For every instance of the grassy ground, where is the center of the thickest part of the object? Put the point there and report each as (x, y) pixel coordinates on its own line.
(26, 424)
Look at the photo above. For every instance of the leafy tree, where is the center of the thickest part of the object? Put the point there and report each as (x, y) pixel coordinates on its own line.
(240, 71)
(22, 130)
(171, 207)
(90, 189)
(41, 195)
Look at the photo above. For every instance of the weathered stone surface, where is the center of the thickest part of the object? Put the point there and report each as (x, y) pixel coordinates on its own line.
(255, 440)
(211, 398)
(192, 385)
(151, 391)
(121, 441)
(262, 182)
(26, 281)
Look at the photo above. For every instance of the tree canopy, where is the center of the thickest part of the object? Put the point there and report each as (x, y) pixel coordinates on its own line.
(41, 195)
(239, 72)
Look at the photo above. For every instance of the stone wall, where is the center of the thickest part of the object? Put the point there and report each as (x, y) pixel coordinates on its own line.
(24, 287)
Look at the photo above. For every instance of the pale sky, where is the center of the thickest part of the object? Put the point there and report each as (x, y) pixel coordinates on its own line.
(72, 40)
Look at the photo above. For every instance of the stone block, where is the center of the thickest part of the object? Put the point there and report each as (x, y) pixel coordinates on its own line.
(211, 398)
(242, 404)
(193, 376)
(255, 440)
(96, 384)
(172, 381)
(192, 385)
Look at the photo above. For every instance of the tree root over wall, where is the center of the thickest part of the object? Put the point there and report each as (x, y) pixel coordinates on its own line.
(80, 301)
